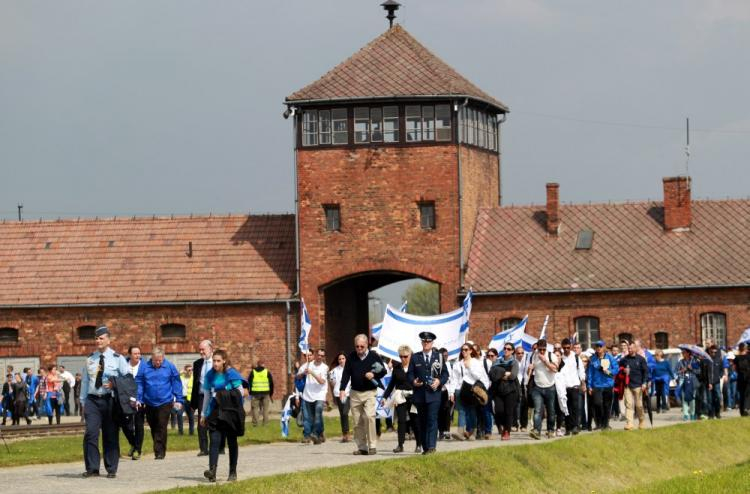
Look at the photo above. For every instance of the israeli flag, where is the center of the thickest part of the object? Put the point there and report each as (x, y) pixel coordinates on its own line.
(467, 312)
(512, 335)
(375, 331)
(286, 415)
(305, 327)
(527, 342)
(745, 337)
(543, 334)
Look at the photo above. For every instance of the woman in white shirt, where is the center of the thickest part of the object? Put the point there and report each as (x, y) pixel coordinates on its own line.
(334, 379)
(473, 371)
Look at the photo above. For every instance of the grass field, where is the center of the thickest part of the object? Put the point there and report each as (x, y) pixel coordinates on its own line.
(591, 463)
(728, 480)
(70, 448)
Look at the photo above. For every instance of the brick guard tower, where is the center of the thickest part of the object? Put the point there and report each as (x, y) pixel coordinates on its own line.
(395, 154)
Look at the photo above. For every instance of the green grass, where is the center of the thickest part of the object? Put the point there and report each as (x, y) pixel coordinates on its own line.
(600, 462)
(70, 448)
(727, 480)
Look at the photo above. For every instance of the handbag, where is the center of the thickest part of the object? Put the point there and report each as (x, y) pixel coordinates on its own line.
(480, 393)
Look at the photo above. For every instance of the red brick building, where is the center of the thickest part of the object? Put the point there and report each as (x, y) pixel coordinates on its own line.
(397, 176)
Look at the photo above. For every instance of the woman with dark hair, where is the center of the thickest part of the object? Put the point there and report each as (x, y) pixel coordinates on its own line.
(504, 377)
(19, 399)
(223, 413)
(334, 378)
(473, 371)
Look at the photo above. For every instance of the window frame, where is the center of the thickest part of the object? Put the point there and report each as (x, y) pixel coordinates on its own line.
(422, 205)
(704, 321)
(9, 335)
(589, 340)
(87, 327)
(332, 224)
(507, 323)
(658, 336)
(172, 326)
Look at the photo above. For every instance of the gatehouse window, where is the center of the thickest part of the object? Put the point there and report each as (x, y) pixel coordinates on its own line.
(324, 127)
(427, 215)
(340, 126)
(361, 125)
(390, 124)
(587, 329)
(8, 335)
(479, 128)
(714, 327)
(173, 331)
(508, 323)
(661, 340)
(86, 332)
(310, 128)
(443, 122)
(333, 217)
(413, 123)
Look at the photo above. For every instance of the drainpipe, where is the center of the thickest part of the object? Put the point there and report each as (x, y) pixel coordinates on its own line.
(295, 114)
(288, 343)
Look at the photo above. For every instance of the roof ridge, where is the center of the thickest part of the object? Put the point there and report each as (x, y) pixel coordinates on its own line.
(155, 217)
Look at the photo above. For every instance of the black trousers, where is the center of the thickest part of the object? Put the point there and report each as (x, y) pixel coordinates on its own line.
(19, 411)
(202, 429)
(218, 438)
(402, 417)
(743, 388)
(98, 415)
(55, 411)
(158, 420)
(505, 410)
(521, 416)
(66, 393)
(602, 400)
(133, 429)
(444, 415)
(574, 407)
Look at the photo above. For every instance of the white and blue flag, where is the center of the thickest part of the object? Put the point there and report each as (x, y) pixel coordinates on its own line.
(286, 415)
(403, 329)
(375, 331)
(467, 312)
(305, 327)
(745, 337)
(513, 335)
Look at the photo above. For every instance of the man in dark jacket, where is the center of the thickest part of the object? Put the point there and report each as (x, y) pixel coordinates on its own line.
(364, 368)
(742, 364)
(427, 373)
(718, 376)
(200, 368)
(636, 368)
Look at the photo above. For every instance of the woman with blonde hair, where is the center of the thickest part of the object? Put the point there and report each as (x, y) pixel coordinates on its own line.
(401, 389)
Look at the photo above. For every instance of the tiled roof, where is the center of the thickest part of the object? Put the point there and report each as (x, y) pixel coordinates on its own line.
(392, 65)
(145, 260)
(512, 252)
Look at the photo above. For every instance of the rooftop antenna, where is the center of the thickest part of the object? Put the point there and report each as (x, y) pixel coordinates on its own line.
(687, 146)
(390, 6)
(20, 207)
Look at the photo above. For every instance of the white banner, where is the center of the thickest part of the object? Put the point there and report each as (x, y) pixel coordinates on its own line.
(400, 328)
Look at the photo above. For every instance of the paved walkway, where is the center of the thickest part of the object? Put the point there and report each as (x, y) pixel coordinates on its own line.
(185, 469)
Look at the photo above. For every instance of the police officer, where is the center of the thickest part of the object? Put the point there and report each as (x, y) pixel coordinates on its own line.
(97, 403)
(427, 372)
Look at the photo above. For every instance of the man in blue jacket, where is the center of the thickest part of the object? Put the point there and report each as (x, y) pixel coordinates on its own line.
(427, 373)
(159, 389)
(600, 378)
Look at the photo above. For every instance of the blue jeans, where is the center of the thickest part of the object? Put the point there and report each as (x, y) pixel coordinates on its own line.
(732, 394)
(488, 418)
(458, 407)
(544, 397)
(470, 412)
(313, 418)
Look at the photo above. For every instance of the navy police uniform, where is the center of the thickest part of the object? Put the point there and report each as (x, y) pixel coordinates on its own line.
(425, 398)
(97, 402)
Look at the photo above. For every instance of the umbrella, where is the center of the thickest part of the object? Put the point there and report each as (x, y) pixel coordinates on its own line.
(695, 350)
(647, 404)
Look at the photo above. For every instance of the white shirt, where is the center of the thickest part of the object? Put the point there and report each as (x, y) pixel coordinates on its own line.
(543, 377)
(204, 370)
(572, 376)
(134, 368)
(67, 376)
(475, 372)
(523, 367)
(314, 391)
(335, 377)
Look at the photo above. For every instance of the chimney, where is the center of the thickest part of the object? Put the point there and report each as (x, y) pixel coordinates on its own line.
(553, 208)
(677, 208)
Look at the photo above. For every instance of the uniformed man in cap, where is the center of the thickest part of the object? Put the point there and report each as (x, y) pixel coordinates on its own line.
(97, 402)
(427, 372)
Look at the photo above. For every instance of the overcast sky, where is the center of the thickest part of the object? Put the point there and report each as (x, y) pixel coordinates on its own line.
(144, 107)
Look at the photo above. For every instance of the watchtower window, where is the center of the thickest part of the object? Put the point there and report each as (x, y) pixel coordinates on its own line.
(324, 123)
(390, 124)
(413, 123)
(310, 128)
(340, 126)
(428, 123)
(443, 122)
(361, 125)
(333, 217)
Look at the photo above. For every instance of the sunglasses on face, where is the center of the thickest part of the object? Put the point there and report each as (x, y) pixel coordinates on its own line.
(404, 356)
(508, 349)
(465, 350)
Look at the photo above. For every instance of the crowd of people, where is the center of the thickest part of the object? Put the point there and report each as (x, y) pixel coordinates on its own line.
(47, 393)
(553, 390)
(506, 389)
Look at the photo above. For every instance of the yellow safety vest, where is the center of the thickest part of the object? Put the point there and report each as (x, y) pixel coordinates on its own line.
(260, 382)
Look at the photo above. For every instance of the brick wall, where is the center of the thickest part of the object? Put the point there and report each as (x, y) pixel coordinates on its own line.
(481, 188)
(677, 312)
(378, 190)
(243, 330)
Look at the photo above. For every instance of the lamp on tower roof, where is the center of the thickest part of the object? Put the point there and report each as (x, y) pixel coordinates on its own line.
(390, 6)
